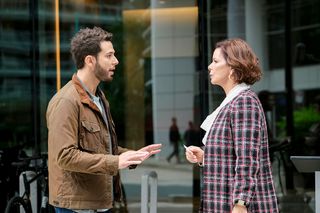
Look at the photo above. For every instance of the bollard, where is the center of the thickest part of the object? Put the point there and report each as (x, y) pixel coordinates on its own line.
(149, 179)
(33, 189)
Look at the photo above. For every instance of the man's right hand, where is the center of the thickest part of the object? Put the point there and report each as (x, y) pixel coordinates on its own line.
(129, 158)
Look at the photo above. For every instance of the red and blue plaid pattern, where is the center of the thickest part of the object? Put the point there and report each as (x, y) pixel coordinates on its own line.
(236, 164)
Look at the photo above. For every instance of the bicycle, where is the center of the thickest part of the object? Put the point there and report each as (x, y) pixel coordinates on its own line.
(16, 203)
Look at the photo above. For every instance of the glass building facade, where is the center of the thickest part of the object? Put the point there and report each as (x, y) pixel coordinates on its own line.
(164, 48)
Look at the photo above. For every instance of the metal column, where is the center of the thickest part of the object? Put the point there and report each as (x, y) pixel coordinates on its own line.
(149, 179)
(317, 191)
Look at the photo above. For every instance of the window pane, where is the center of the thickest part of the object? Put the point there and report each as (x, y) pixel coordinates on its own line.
(15, 71)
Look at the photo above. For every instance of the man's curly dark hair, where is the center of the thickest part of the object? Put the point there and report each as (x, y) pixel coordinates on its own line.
(87, 42)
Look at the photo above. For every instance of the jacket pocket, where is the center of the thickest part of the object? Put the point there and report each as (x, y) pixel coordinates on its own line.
(90, 134)
(91, 127)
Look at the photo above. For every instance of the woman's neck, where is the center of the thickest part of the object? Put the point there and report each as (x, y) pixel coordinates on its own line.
(228, 87)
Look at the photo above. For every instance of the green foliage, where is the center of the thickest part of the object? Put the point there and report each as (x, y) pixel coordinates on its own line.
(303, 119)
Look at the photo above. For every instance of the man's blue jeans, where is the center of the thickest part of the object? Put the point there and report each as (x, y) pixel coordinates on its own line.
(63, 210)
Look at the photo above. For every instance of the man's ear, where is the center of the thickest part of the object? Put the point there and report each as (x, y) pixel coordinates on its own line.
(90, 60)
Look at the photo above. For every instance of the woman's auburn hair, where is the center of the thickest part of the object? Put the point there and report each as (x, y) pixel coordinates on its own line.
(241, 58)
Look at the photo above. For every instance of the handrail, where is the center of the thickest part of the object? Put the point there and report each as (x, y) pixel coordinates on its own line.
(147, 177)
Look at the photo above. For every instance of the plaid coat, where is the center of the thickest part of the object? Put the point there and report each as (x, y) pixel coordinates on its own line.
(236, 162)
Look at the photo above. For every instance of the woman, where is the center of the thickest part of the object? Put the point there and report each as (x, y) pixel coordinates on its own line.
(237, 173)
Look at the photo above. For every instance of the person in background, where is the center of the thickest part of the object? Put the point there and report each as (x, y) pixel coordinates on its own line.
(83, 155)
(267, 101)
(313, 136)
(174, 137)
(237, 173)
(190, 135)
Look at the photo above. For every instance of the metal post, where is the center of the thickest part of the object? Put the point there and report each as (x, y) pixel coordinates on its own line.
(33, 189)
(317, 191)
(203, 62)
(34, 67)
(289, 90)
(151, 177)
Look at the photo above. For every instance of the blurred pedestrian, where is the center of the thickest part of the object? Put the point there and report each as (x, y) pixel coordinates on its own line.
(267, 101)
(174, 137)
(313, 135)
(190, 135)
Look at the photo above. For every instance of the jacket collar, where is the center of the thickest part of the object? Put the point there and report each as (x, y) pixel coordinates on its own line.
(84, 96)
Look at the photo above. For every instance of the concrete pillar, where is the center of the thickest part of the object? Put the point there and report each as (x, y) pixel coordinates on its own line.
(235, 19)
(255, 28)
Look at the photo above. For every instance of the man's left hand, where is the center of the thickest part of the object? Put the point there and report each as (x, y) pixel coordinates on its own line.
(152, 149)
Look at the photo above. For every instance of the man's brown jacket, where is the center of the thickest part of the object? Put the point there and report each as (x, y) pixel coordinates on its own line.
(82, 164)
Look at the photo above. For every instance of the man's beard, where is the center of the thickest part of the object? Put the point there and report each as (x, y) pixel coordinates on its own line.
(101, 74)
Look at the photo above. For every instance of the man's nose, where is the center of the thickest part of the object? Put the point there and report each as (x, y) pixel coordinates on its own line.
(116, 60)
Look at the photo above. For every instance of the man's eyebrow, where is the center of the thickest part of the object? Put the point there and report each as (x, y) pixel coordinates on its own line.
(111, 52)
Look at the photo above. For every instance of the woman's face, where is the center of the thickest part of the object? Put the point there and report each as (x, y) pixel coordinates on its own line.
(219, 71)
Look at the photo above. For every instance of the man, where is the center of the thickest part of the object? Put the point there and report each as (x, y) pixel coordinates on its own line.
(174, 137)
(267, 101)
(190, 135)
(83, 155)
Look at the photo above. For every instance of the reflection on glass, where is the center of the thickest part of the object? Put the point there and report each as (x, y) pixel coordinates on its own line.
(15, 70)
(160, 51)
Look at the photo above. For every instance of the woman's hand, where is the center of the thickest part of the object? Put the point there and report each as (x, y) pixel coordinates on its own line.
(194, 154)
(239, 209)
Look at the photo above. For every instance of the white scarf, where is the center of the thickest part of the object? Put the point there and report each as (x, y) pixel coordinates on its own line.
(207, 123)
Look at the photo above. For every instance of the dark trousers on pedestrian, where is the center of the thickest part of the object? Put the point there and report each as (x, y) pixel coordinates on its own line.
(175, 152)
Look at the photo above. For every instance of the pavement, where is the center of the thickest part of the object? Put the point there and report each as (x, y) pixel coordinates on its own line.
(175, 188)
